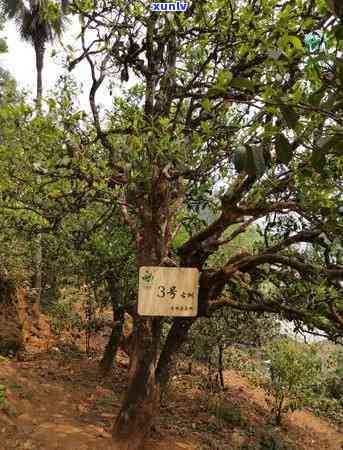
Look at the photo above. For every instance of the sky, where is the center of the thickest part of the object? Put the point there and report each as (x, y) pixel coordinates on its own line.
(20, 62)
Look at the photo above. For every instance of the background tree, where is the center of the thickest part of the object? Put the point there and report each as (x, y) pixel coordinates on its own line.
(210, 338)
(105, 259)
(39, 22)
(294, 372)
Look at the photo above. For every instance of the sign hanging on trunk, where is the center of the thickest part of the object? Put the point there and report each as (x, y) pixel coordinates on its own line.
(168, 291)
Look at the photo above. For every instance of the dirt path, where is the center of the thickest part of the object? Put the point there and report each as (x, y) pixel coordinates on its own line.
(56, 402)
(55, 405)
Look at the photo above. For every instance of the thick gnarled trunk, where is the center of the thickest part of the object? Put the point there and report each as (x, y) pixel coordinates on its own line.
(154, 238)
(149, 375)
(141, 401)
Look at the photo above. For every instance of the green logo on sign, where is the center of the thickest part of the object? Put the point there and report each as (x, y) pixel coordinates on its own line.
(148, 277)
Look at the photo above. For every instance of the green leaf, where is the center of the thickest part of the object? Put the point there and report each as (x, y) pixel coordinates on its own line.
(324, 143)
(224, 78)
(206, 127)
(52, 104)
(338, 31)
(296, 43)
(243, 83)
(331, 144)
(340, 72)
(318, 159)
(316, 97)
(3, 46)
(290, 116)
(206, 104)
(214, 91)
(240, 159)
(284, 149)
(222, 83)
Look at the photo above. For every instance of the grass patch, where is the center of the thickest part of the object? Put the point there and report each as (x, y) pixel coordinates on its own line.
(227, 413)
(268, 439)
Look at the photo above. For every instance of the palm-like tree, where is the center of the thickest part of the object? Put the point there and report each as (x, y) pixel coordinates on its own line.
(37, 27)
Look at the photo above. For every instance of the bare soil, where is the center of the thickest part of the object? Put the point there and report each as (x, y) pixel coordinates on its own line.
(55, 401)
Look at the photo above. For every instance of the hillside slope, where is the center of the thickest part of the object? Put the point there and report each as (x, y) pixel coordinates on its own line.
(55, 401)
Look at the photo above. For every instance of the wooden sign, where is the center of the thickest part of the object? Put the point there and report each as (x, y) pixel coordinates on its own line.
(168, 291)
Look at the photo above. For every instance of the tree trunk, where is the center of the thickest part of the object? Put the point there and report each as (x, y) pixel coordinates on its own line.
(190, 368)
(111, 348)
(37, 256)
(142, 398)
(37, 276)
(278, 410)
(116, 338)
(220, 364)
(39, 51)
(117, 330)
(176, 337)
(141, 401)
(148, 375)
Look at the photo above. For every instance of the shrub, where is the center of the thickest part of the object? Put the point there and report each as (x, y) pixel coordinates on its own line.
(294, 370)
(226, 412)
(330, 408)
(2, 395)
(63, 316)
(10, 346)
(5, 406)
(267, 440)
(334, 384)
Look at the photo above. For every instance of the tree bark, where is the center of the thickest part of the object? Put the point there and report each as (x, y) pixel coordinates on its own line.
(117, 329)
(141, 401)
(153, 239)
(111, 348)
(220, 364)
(39, 51)
(176, 337)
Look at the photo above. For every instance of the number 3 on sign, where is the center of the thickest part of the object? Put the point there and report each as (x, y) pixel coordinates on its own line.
(161, 291)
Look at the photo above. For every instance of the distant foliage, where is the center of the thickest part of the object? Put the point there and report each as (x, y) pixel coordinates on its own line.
(333, 383)
(63, 316)
(294, 371)
(268, 440)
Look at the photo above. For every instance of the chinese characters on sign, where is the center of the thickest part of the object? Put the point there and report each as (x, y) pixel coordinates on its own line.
(168, 291)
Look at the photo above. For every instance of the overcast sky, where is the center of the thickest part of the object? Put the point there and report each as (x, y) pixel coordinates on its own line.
(20, 62)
